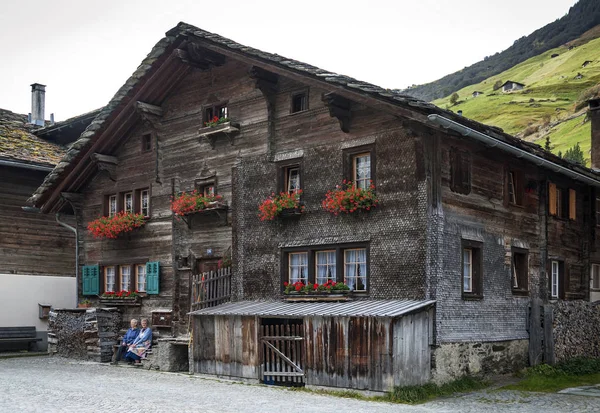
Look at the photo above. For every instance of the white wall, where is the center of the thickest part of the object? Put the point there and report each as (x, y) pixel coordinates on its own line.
(22, 293)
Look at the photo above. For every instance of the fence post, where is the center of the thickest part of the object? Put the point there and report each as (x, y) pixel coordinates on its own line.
(549, 334)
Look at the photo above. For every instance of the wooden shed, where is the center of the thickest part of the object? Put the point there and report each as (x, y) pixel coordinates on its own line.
(366, 345)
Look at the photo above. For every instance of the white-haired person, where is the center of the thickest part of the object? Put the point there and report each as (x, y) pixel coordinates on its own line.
(128, 340)
(137, 350)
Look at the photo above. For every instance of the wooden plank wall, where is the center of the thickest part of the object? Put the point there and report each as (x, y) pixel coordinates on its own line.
(351, 352)
(226, 346)
(412, 356)
(31, 243)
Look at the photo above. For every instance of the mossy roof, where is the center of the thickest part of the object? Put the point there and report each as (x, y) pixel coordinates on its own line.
(18, 143)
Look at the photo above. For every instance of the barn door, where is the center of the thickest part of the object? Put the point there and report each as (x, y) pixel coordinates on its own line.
(282, 343)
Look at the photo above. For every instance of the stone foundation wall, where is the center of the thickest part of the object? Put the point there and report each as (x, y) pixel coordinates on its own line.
(576, 330)
(84, 334)
(451, 361)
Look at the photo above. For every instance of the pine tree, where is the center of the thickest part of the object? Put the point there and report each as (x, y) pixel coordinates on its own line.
(547, 146)
(575, 154)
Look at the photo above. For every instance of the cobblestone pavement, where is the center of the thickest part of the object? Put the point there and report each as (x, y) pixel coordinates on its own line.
(53, 384)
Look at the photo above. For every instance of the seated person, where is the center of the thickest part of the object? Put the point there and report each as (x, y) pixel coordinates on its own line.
(128, 340)
(137, 349)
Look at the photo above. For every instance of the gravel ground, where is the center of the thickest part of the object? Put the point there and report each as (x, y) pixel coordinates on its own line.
(54, 384)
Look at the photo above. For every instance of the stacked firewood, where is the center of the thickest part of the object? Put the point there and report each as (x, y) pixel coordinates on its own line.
(102, 327)
(65, 333)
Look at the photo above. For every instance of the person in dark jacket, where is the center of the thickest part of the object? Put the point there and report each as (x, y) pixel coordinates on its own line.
(128, 340)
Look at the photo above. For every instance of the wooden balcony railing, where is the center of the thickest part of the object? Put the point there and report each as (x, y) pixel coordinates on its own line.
(210, 289)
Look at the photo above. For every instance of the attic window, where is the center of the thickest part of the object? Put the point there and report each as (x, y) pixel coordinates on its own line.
(299, 102)
(219, 111)
(146, 142)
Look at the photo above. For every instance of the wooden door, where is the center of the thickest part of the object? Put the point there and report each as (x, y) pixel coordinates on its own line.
(282, 354)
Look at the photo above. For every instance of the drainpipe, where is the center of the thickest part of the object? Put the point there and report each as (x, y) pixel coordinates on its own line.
(519, 153)
(76, 256)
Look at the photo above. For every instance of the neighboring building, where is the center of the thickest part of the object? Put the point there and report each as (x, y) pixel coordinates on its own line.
(472, 223)
(37, 255)
(554, 55)
(476, 93)
(510, 86)
(586, 63)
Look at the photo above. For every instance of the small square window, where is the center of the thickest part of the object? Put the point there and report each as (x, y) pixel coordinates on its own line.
(515, 187)
(562, 202)
(355, 269)
(110, 279)
(361, 170)
(299, 102)
(128, 202)
(292, 179)
(222, 111)
(140, 277)
(298, 267)
(325, 265)
(147, 143)
(460, 171)
(209, 190)
(112, 205)
(219, 111)
(145, 202)
(125, 277)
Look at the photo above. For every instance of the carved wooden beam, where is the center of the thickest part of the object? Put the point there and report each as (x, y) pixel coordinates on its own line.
(151, 114)
(340, 108)
(267, 83)
(197, 56)
(106, 163)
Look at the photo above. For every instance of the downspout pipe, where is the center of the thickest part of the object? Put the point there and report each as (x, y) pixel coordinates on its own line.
(519, 153)
(67, 226)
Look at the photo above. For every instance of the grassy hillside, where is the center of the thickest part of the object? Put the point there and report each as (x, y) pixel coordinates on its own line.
(551, 103)
(583, 16)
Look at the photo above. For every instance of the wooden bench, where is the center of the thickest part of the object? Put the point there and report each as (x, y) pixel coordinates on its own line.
(18, 335)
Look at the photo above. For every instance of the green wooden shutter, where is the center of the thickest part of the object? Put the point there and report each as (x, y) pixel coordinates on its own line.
(152, 276)
(91, 280)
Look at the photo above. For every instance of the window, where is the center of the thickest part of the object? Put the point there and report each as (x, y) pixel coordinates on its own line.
(140, 278)
(514, 184)
(298, 267)
(145, 202)
(325, 266)
(209, 190)
(112, 205)
(598, 211)
(125, 277)
(562, 203)
(471, 273)
(220, 111)
(520, 271)
(355, 269)
(292, 179)
(348, 264)
(460, 171)
(361, 170)
(128, 202)
(555, 277)
(146, 142)
(299, 102)
(109, 278)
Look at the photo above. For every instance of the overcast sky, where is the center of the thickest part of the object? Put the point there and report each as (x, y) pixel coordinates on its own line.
(85, 50)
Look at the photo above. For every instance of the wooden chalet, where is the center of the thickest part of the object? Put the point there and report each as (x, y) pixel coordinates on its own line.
(471, 223)
(37, 260)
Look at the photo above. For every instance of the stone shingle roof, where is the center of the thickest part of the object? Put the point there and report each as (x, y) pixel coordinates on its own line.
(18, 143)
(184, 30)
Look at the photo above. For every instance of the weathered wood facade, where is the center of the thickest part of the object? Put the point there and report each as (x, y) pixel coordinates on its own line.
(474, 224)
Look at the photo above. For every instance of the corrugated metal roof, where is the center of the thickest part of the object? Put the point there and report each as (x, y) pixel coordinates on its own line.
(390, 308)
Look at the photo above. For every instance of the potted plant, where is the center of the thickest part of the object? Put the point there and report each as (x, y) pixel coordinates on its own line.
(112, 227)
(215, 121)
(192, 202)
(84, 304)
(123, 295)
(347, 198)
(284, 204)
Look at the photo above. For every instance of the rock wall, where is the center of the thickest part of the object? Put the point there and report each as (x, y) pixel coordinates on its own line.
(576, 330)
(451, 361)
(87, 334)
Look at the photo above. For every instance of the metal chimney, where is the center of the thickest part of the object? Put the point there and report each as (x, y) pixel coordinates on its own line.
(38, 103)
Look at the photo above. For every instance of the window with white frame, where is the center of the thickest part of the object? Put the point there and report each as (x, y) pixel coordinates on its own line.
(325, 263)
(467, 270)
(112, 205)
(355, 269)
(292, 179)
(208, 190)
(145, 202)
(361, 165)
(128, 202)
(472, 269)
(125, 277)
(140, 278)
(595, 276)
(298, 267)
(109, 278)
(555, 276)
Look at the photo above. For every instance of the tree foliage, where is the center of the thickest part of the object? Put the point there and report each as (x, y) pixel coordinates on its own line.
(575, 154)
(454, 98)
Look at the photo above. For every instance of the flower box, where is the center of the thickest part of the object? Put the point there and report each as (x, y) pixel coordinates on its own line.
(112, 227)
(212, 132)
(120, 298)
(329, 288)
(136, 301)
(194, 202)
(283, 205)
(347, 198)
